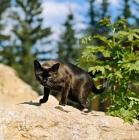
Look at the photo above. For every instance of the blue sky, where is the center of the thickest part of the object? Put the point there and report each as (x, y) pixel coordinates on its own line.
(55, 13)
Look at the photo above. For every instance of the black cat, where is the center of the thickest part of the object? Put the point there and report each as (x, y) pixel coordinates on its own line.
(64, 77)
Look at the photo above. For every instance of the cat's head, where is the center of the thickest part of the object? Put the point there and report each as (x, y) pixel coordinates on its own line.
(45, 75)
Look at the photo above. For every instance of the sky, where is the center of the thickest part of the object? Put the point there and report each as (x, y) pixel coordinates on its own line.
(55, 13)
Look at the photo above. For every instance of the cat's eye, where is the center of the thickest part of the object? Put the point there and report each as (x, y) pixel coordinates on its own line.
(40, 75)
(50, 76)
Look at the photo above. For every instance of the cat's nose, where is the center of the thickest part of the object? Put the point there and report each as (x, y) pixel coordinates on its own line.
(44, 81)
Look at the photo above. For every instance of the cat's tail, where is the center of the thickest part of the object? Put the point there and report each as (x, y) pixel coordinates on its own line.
(101, 90)
(104, 85)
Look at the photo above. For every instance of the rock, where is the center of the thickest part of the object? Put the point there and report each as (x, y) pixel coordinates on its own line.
(30, 121)
(51, 99)
(13, 89)
(23, 118)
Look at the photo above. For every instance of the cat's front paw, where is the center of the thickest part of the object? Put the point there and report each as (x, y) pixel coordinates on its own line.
(62, 103)
(42, 101)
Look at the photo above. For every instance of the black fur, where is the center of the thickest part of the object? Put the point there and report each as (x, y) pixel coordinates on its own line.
(64, 77)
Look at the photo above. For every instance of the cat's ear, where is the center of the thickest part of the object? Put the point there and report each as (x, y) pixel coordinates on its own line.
(55, 67)
(37, 65)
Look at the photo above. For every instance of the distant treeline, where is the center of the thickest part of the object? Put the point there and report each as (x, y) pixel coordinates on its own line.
(19, 48)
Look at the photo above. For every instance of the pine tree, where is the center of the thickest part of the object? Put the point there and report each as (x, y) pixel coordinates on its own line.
(95, 14)
(67, 50)
(136, 4)
(28, 32)
(104, 9)
(93, 18)
(4, 5)
(126, 11)
(92, 14)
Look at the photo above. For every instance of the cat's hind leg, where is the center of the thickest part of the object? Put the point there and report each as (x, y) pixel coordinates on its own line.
(83, 101)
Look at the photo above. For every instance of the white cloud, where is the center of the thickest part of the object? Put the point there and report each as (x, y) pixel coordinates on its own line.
(114, 3)
(55, 14)
(9, 23)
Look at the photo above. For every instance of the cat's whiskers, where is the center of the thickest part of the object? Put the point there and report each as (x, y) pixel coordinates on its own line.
(48, 84)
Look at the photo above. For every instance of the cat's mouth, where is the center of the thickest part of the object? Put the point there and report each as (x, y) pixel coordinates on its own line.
(43, 83)
(46, 84)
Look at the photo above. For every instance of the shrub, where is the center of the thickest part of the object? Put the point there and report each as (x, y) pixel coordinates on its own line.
(121, 67)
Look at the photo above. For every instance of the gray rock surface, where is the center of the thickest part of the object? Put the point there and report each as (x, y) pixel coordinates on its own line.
(12, 88)
(30, 121)
(23, 118)
(15, 90)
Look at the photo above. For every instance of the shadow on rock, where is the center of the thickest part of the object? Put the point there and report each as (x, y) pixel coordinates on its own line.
(32, 103)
